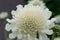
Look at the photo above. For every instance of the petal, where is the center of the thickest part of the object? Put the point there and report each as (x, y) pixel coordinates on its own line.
(19, 7)
(47, 13)
(13, 12)
(50, 24)
(31, 38)
(8, 27)
(58, 38)
(47, 31)
(53, 19)
(12, 35)
(43, 37)
(19, 36)
(10, 20)
(14, 28)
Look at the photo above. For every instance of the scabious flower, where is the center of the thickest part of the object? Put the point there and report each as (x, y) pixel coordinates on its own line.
(3, 15)
(29, 20)
(37, 3)
(58, 38)
(57, 19)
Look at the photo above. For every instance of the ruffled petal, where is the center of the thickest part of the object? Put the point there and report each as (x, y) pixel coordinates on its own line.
(53, 19)
(8, 27)
(58, 38)
(12, 35)
(47, 31)
(47, 13)
(11, 20)
(19, 7)
(50, 24)
(13, 12)
(43, 37)
(31, 38)
(19, 36)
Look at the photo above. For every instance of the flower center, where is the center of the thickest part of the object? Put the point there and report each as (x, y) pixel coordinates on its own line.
(30, 21)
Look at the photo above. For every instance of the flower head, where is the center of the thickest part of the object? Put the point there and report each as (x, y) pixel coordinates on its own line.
(58, 38)
(3, 15)
(29, 20)
(57, 19)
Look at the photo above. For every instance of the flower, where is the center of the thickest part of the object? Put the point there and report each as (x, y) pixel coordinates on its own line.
(37, 3)
(29, 20)
(57, 19)
(3, 15)
(58, 38)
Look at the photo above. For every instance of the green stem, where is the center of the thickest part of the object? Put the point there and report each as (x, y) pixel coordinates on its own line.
(53, 36)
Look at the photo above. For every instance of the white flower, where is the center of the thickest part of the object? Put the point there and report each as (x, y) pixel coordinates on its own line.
(3, 15)
(37, 3)
(58, 38)
(57, 19)
(29, 20)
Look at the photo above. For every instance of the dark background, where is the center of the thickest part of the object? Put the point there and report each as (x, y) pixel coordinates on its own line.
(9, 5)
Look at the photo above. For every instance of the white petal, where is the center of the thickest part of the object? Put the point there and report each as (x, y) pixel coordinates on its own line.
(12, 35)
(13, 12)
(10, 20)
(19, 36)
(31, 38)
(19, 7)
(47, 13)
(24, 37)
(58, 38)
(43, 37)
(8, 27)
(47, 31)
(53, 19)
(49, 24)
(14, 28)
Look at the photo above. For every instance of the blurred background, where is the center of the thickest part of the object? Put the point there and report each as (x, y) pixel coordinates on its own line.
(9, 5)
